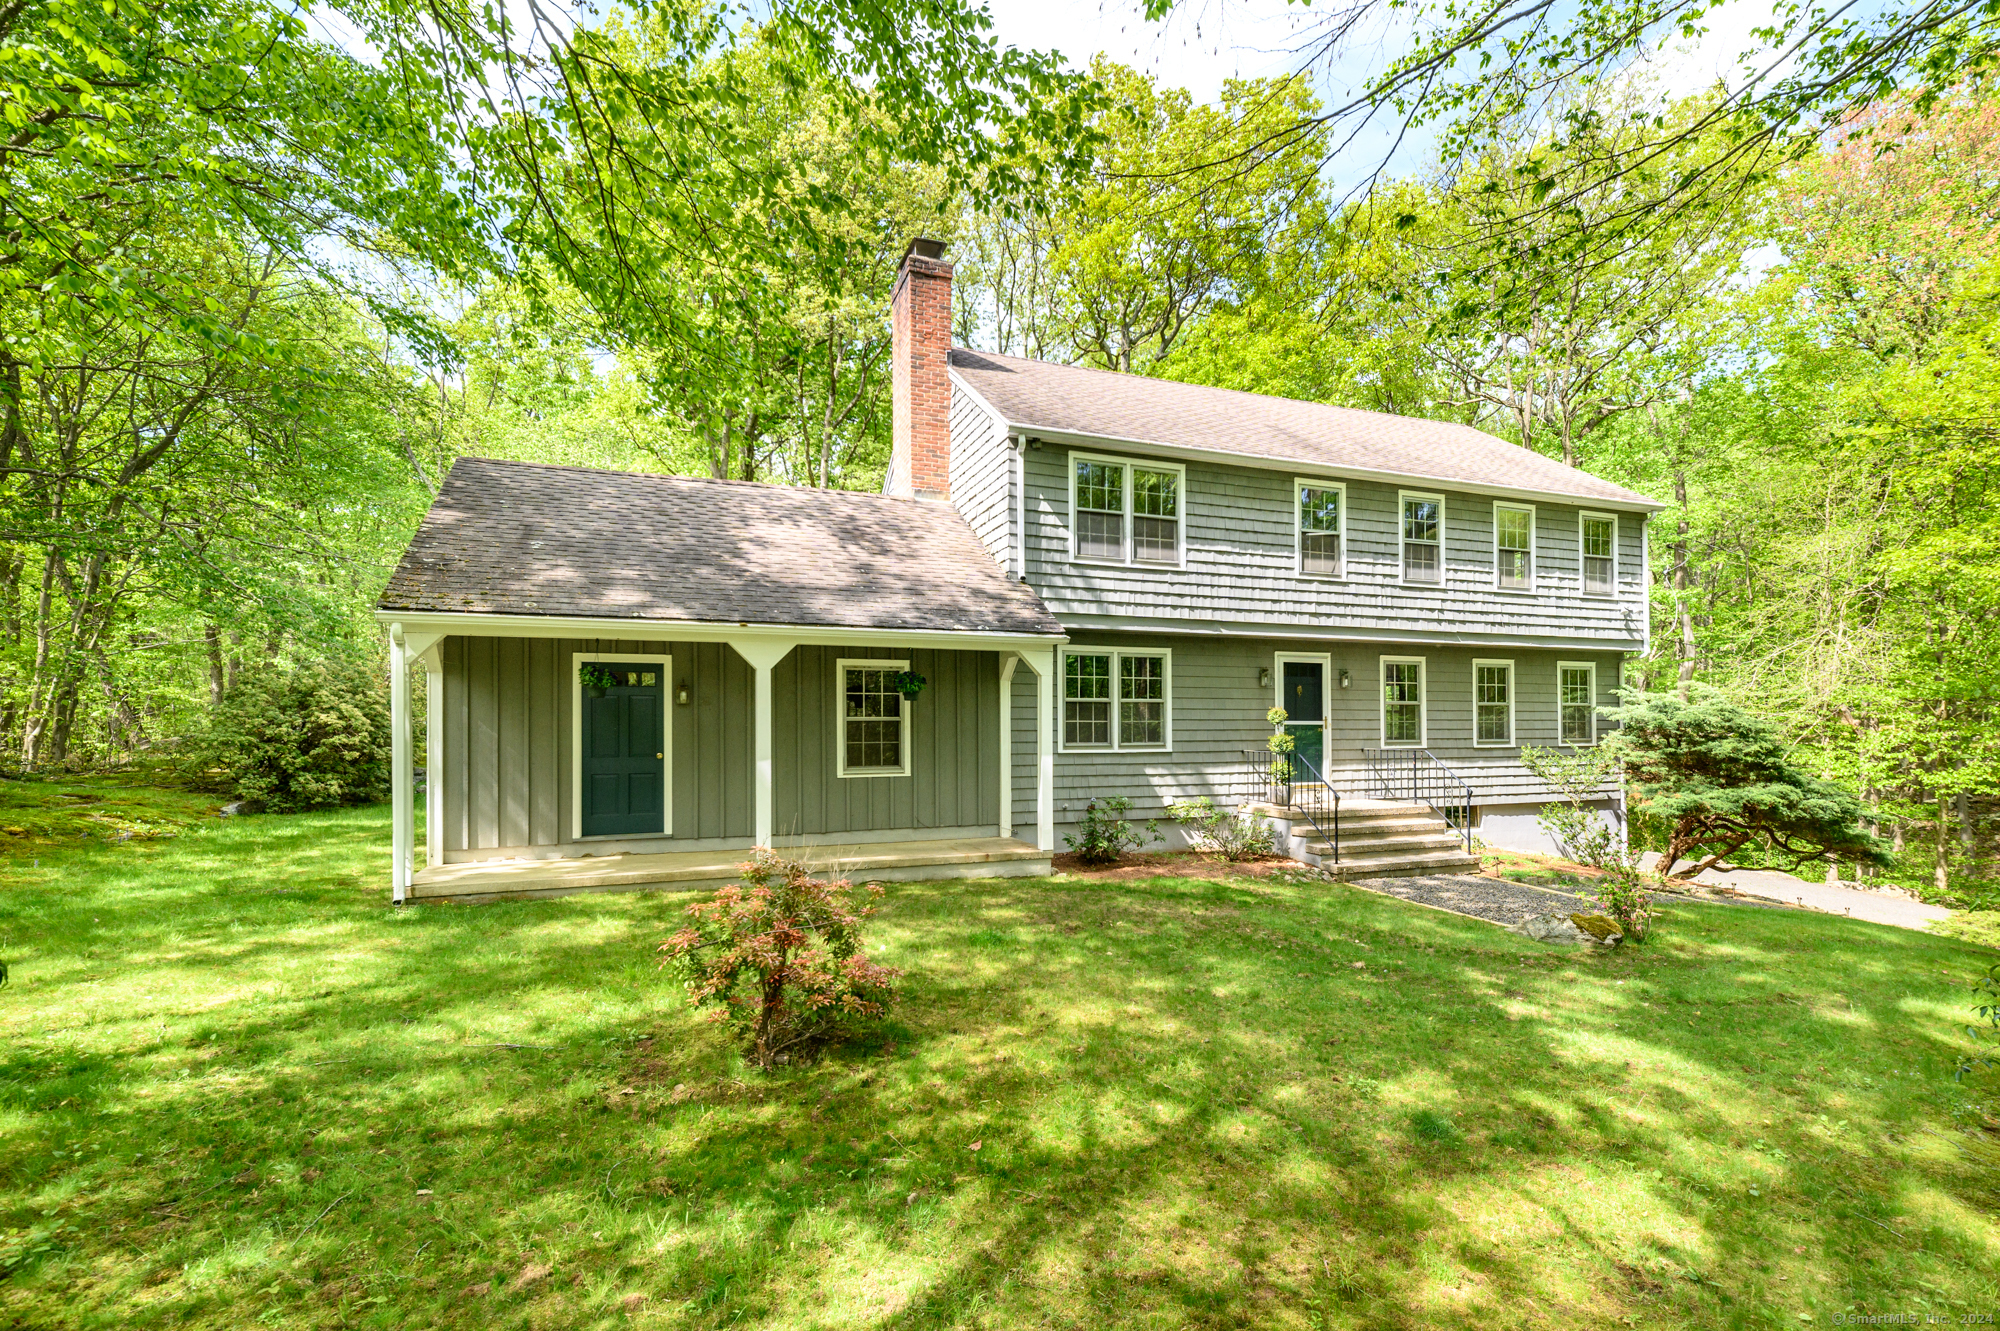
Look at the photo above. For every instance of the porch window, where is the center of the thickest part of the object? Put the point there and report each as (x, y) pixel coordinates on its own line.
(1107, 494)
(1600, 554)
(1514, 546)
(1423, 538)
(1100, 510)
(1117, 700)
(1319, 528)
(1402, 702)
(874, 725)
(1577, 702)
(1493, 702)
(1156, 516)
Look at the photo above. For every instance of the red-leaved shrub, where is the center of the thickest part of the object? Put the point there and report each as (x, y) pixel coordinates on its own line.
(779, 957)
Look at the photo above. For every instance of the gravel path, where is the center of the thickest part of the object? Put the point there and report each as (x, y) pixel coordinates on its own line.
(1501, 902)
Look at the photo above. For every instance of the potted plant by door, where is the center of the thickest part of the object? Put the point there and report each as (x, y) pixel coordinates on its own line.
(908, 683)
(596, 679)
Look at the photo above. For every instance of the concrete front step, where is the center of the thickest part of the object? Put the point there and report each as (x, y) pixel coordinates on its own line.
(1398, 866)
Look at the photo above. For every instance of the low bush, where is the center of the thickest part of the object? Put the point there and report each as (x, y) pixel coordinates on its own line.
(780, 959)
(1234, 836)
(1106, 831)
(291, 738)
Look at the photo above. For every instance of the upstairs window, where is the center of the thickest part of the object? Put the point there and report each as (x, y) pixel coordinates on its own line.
(1156, 516)
(1514, 546)
(1319, 528)
(1493, 702)
(1600, 554)
(874, 724)
(1423, 538)
(1402, 702)
(1126, 512)
(1116, 700)
(1100, 511)
(1576, 702)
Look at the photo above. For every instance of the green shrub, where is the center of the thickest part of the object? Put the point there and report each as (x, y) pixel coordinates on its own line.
(1106, 833)
(1234, 836)
(298, 737)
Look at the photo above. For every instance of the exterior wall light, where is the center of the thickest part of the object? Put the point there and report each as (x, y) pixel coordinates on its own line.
(1345, 679)
(683, 695)
(1264, 679)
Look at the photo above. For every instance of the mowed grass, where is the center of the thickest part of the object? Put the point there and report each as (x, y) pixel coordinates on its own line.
(241, 1091)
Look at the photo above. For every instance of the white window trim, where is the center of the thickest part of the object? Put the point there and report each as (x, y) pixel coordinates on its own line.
(1423, 696)
(1512, 708)
(666, 665)
(1591, 666)
(1403, 545)
(840, 668)
(1299, 535)
(1582, 579)
(1117, 744)
(1129, 561)
(1534, 548)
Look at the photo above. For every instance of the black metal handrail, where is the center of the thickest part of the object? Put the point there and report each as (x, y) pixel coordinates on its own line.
(1416, 774)
(1281, 778)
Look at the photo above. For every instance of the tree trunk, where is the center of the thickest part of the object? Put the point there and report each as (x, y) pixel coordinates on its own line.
(217, 683)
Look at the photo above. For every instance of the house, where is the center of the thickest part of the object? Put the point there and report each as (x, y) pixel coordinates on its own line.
(1104, 581)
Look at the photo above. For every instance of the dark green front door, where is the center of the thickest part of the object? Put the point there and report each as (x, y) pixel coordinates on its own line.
(624, 753)
(1305, 712)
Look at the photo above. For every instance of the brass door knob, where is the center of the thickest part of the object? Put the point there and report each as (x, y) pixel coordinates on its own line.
(659, 755)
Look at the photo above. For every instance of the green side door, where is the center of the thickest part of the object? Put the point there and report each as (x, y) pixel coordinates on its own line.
(624, 753)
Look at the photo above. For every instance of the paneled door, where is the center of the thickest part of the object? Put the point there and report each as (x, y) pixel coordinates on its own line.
(624, 769)
(1303, 696)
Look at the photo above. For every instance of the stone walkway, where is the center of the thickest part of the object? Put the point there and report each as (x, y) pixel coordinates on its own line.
(1492, 899)
(1775, 885)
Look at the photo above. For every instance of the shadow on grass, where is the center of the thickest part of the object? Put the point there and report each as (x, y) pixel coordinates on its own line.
(240, 1087)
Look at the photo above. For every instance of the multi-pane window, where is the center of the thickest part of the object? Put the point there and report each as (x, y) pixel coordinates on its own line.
(1156, 516)
(1493, 702)
(1514, 546)
(1116, 500)
(1402, 704)
(1577, 703)
(1600, 554)
(1423, 538)
(1319, 528)
(1115, 700)
(871, 719)
(1100, 510)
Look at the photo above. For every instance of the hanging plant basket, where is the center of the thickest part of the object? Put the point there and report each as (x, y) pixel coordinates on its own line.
(596, 679)
(908, 683)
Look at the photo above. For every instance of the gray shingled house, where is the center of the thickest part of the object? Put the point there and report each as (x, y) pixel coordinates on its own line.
(1104, 581)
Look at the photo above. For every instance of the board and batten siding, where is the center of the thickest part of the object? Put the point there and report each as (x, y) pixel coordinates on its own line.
(1219, 707)
(982, 477)
(1241, 565)
(508, 764)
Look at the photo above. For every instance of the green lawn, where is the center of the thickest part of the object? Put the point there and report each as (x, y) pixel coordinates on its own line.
(241, 1091)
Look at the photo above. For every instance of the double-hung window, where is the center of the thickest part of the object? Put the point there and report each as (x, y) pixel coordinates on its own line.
(1492, 702)
(1576, 702)
(1600, 554)
(1320, 508)
(1117, 700)
(1514, 546)
(1402, 702)
(1423, 538)
(874, 737)
(1126, 512)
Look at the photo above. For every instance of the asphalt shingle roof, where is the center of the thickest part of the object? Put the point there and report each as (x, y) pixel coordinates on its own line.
(1077, 400)
(519, 538)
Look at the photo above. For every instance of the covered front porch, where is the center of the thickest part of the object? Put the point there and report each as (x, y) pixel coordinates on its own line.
(758, 744)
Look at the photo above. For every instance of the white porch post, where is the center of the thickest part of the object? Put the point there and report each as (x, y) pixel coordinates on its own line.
(763, 655)
(401, 777)
(1045, 667)
(1007, 663)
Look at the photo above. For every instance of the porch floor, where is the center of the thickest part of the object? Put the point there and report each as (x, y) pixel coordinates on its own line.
(968, 857)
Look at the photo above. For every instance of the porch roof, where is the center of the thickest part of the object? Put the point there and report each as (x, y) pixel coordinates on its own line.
(519, 538)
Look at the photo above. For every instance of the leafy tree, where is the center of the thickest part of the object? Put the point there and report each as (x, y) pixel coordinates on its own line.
(1720, 778)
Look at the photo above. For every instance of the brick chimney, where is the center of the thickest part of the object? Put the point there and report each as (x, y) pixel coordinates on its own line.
(920, 384)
